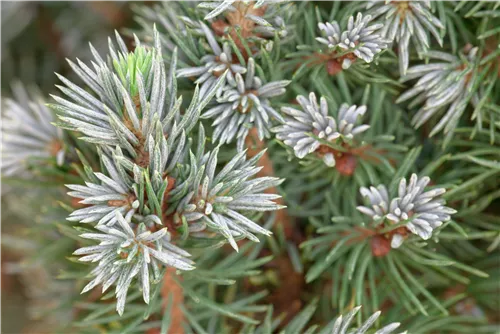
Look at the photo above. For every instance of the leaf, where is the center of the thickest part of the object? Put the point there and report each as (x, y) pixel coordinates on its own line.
(407, 164)
(420, 287)
(166, 319)
(407, 291)
(484, 162)
(300, 321)
(320, 266)
(294, 255)
(219, 308)
(351, 263)
(469, 184)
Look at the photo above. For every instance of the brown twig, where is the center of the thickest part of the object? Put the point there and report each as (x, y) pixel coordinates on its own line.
(238, 18)
(287, 297)
(171, 288)
(255, 145)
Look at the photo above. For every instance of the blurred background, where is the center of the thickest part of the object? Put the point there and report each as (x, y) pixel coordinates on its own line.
(37, 37)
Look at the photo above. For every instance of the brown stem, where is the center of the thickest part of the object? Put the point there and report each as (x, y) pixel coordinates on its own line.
(171, 289)
(238, 18)
(286, 298)
(255, 145)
